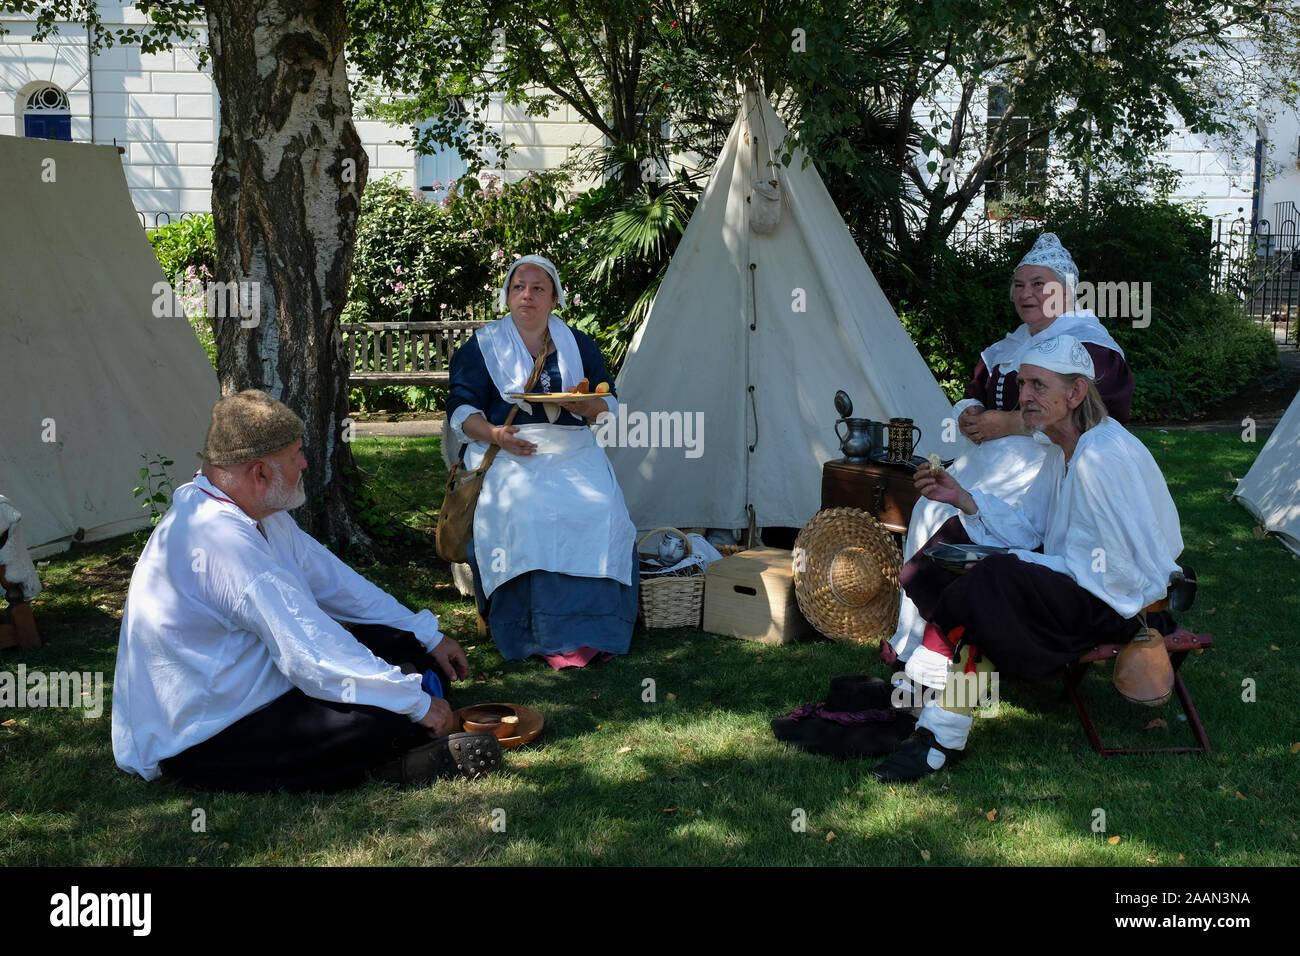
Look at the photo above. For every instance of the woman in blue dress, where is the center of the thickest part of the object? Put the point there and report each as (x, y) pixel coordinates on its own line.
(553, 551)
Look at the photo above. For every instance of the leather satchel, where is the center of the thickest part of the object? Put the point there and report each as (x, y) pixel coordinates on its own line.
(456, 516)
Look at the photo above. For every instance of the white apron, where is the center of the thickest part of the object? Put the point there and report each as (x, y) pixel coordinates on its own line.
(559, 509)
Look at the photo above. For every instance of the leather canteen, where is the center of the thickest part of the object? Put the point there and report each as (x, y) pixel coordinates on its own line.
(1143, 672)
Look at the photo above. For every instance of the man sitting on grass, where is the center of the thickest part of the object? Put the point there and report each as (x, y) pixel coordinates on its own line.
(233, 672)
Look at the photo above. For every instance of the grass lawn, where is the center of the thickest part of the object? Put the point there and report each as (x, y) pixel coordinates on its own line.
(695, 776)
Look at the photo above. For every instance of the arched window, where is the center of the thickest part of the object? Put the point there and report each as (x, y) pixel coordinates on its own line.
(47, 115)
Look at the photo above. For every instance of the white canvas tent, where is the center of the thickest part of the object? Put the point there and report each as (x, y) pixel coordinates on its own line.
(1271, 489)
(90, 379)
(750, 336)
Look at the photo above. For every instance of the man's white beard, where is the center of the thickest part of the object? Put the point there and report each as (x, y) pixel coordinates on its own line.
(280, 498)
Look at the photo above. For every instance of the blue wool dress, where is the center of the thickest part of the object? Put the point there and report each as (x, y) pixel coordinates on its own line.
(544, 612)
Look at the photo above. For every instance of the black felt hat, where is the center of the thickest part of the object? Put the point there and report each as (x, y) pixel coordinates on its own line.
(873, 734)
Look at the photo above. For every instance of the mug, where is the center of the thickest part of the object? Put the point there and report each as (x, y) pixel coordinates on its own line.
(901, 443)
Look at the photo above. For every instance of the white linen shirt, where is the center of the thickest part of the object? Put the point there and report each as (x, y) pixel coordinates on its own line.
(1107, 520)
(221, 620)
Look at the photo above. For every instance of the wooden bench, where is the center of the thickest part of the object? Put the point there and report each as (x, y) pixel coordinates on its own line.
(404, 353)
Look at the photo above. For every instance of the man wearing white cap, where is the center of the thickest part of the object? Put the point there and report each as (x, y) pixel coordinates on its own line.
(1109, 533)
(998, 454)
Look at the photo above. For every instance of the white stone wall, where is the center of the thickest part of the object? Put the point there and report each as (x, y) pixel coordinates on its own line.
(164, 110)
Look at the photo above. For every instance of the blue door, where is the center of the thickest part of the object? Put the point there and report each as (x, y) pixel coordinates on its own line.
(48, 126)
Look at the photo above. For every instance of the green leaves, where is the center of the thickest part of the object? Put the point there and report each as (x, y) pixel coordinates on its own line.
(157, 488)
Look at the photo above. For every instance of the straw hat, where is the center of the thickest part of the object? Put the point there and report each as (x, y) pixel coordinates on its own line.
(847, 581)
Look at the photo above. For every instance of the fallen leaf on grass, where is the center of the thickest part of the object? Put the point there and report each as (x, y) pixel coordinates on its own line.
(672, 696)
(1295, 747)
(11, 721)
(1240, 796)
(1113, 840)
(670, 809)
(991, 815)
(1152, 859)
(925, 855)
(830, 836)
(1274, 647)
(1181, 857)
(846, 790)
(1157, 722)
(623, 750)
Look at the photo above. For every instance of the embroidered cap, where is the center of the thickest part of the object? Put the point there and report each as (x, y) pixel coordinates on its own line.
(1061, 353)
(1050, 254)
(545, 264)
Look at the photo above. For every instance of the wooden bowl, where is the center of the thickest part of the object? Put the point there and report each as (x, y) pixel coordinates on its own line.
(489, 717)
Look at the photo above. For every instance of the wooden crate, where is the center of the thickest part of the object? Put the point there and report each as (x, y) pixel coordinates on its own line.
(751, 595)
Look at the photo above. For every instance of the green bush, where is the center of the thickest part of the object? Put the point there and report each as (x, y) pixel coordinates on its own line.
(187, 252)
(188, 242)
(411, 258)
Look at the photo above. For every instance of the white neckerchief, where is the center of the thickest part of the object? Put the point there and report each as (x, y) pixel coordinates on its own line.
(1083, 325)
(509, 363)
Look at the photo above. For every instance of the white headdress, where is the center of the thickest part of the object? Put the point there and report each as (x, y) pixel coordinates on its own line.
(542, 261)
(1062, 353)
(1048, 252)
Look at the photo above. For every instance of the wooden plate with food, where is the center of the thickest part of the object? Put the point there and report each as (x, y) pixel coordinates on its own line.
(555, 397)
(526, 722)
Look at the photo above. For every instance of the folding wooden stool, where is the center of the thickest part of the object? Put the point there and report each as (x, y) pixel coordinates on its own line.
(1182, 593)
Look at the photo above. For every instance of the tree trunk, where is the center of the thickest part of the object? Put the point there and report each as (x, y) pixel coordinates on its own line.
(286, 193)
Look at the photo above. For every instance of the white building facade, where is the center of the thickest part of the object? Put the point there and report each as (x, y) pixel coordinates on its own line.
(163, 110)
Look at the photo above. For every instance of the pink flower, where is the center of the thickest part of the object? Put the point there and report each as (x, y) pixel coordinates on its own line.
(397, 269)
(577, 299)
(498, 256)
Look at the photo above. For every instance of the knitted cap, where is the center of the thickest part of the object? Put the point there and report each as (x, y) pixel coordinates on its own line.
(247, 426)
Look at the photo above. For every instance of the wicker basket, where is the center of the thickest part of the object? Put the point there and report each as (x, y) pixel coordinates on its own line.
(671, 601)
